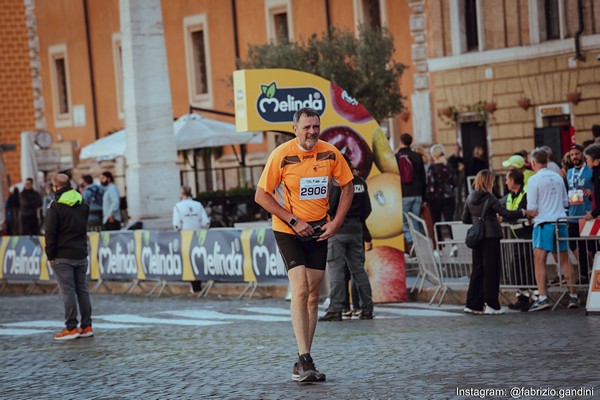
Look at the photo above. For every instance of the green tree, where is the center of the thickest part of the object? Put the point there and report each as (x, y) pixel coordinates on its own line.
(362, 65)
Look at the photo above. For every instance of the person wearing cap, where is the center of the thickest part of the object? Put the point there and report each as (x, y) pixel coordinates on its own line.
(111, 203)
(517, 161)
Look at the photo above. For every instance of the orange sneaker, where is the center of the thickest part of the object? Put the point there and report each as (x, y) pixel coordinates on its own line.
(86, 332)
(67, 334)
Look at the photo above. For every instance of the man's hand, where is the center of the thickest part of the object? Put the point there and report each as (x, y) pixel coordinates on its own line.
(531, 213)
(368, 246)
(588, 216)
(52, 263)
(587, 193)
(302, 228)
(329, 230)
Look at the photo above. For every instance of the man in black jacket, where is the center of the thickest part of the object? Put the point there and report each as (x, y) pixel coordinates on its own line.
(30, 202)
(413, 189)
(67, 251)
(346, 248)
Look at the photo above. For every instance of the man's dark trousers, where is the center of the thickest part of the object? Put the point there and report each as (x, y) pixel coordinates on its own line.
(347, 249)
(72, 280)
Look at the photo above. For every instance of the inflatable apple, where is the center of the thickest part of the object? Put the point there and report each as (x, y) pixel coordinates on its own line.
(353, 145)
(347, 106)
(387, 274)
(385, 193)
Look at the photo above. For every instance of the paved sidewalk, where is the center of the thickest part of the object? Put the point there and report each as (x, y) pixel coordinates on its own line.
(183, 348)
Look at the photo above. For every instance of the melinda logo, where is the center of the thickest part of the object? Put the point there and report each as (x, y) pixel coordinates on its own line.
(279, 104)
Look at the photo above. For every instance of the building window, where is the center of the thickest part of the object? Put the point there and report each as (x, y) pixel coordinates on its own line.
(471, 25)
(370, 12)
(279, 21)
(198, 60)
(118, 66)
(547, 20)
(552, 16)
(61, 98)
(281, 26)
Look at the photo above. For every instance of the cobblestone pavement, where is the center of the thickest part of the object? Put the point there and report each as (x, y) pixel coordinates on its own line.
(183, 348)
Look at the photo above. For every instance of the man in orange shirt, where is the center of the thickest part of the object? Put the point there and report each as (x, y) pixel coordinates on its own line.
(294, 188)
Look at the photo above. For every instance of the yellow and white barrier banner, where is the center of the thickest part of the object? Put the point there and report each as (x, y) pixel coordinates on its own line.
(229, 254)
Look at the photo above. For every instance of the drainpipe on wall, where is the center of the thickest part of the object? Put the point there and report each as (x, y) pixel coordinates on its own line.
(327, 16)
(91, 67)
(578, 54)
(236, 45)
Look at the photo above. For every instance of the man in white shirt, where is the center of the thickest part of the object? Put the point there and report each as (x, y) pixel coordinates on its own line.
(546, 194)
(188, 214)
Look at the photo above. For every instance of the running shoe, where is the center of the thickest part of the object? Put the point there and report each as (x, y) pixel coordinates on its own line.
(573, 302)
(86, 332)
(493, 311)
(331, 316)
(67, 334)
(346, 314)
(540, 305)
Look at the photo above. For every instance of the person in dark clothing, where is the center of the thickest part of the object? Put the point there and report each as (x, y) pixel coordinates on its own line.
(413, 191)
(67, 251)
(12, 212)
(515, 199)
(482, 295)
(592, 158)
(458, 165)
(580, 189)
(357, 305)
(347, 249)
(93, 196)
(477, 162)
(30, 202)
(441, 186)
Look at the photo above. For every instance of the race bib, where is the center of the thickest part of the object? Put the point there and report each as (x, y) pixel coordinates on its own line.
(313, 188)
(575, 197)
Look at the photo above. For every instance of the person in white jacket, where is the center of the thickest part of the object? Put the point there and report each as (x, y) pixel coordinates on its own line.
(189, 214)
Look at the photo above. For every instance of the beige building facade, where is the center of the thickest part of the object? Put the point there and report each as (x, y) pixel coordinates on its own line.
(505, 71)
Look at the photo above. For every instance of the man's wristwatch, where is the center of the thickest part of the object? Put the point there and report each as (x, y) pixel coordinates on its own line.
(293, 221)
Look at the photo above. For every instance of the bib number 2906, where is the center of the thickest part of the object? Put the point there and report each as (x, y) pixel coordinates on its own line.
(313, 188)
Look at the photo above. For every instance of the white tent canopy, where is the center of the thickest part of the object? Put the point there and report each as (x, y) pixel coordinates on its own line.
(192, 131)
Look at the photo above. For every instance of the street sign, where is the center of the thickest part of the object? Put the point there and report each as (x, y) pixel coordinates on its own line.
(48, 159)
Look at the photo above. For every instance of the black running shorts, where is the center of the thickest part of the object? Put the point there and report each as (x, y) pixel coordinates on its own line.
(295, 252)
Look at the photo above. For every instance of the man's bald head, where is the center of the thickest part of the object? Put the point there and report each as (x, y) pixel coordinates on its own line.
(61, 181)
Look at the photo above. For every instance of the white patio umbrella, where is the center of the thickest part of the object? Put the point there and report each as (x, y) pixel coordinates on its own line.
(106, 148)
(191, 131)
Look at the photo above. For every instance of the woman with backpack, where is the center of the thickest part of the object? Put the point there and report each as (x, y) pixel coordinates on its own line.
(441, 187)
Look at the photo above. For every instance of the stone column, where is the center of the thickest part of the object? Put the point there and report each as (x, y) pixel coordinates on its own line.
(421, 98)
(152, 175)
(35, 63)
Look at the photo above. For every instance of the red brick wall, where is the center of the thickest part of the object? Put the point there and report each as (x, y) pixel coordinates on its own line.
(16, 95)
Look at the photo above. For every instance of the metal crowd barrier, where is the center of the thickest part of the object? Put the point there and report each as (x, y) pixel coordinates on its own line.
(428, 264)
(448, 265)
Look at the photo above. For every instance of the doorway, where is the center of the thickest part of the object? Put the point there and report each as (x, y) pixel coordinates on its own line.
(473, 134)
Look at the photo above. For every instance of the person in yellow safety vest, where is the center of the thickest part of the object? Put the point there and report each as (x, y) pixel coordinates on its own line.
(517, 162)
(517, 199)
